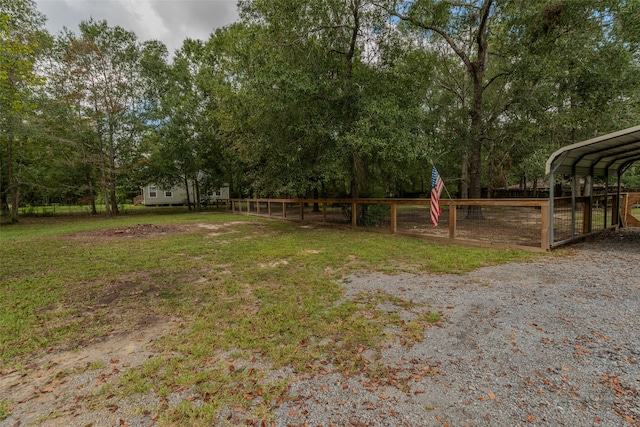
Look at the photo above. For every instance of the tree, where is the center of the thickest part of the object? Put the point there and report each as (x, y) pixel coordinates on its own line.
(514, 68)
(184, 143)
(100, 70)
(21, 37)
(333, 107)
(464, 27)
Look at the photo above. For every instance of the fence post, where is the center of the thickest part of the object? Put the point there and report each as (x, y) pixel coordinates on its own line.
(257, 206)
(301, 211)
(452, 219)
(354, 214)
(324, 212)
(269, 208)
(545, 227)
(284, 210)
(394, 222)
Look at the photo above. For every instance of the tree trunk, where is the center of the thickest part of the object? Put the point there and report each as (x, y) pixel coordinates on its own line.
(112, 175)
(464, 176)
(196, 197)
(13, 196)
(316, 196)
(103, 178)
(186, 186)
(587, 186)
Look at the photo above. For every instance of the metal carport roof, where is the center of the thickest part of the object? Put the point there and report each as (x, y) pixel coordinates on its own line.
(603, 156)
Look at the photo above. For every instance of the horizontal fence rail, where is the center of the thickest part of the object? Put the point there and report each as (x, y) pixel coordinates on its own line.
(514, 223)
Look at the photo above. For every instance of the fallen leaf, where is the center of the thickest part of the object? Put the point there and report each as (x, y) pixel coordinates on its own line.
(154, 416)
(46, 390)
(292, 412)
(531, 419)
(491, 395)
(564, 368)
(383, 396)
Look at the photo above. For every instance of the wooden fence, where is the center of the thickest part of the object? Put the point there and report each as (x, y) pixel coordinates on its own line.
(628, 202)
(506, 223)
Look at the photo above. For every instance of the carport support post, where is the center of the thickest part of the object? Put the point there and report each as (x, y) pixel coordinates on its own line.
(618, 212)
(574, 180)
(551, 196)
(606, 196)
(591, 201)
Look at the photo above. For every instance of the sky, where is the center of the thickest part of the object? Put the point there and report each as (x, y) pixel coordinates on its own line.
(170, 21)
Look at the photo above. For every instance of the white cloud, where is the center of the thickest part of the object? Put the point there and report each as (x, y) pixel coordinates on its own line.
(170, 21)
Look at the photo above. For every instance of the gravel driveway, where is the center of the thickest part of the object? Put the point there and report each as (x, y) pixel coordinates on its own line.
(554, 343)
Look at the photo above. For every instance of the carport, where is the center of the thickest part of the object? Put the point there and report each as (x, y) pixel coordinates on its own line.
(602, 158)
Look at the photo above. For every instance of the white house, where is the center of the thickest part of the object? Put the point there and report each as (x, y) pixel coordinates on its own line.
(153, 195)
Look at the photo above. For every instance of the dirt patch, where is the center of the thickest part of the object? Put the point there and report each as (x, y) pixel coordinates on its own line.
(59, 388)
(137, 231)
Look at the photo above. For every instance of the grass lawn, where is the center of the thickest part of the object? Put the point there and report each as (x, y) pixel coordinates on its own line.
(252, 295)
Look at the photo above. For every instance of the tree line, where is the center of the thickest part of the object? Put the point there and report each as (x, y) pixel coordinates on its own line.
(313, 98)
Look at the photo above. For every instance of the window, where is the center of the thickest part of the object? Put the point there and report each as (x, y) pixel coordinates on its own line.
(153, 192)
(168, 194)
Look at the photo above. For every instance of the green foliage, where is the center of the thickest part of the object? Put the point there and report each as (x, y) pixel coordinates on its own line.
(5, 409)
(21, 37)
(314, 99)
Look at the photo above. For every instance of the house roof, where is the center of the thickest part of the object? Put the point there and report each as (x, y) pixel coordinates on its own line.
(612, 152)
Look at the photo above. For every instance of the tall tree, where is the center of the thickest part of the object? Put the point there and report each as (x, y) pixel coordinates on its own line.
(339, 113)
(464, 28)
(100, 69)
(21, 37)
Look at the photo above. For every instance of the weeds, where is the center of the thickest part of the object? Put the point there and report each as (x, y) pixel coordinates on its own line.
(5, 409)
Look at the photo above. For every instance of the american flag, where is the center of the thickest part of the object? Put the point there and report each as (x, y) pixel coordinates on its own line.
(436, 189)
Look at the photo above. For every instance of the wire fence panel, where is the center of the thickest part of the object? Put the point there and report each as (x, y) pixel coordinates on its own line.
(416, 219)
(338, 213)
(313, 212)
(516, 223)
(500, 224)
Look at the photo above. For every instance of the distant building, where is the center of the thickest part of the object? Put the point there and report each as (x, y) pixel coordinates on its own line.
(154, 195)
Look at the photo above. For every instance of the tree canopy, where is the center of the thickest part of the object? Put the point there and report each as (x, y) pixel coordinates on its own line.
(315, 98)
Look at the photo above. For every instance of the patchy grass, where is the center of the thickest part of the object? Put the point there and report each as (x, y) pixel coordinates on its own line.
(5, 409)
(257, 299)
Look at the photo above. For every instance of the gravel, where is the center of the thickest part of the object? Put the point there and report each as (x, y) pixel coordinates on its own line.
(553, 342)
